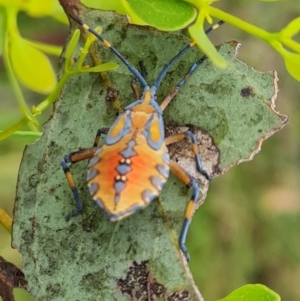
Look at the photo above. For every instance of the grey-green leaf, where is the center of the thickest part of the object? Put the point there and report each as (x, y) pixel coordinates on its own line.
(89, 257)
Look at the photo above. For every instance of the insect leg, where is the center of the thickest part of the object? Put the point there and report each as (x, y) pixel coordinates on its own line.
(176, 89)
(75, 157)
(98, 135)
(188, 134)
(188, 180)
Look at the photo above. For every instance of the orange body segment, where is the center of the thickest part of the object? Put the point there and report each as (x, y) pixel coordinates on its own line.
(128, 175)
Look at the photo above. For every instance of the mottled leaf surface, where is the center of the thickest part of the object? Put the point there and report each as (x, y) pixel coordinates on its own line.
(89, 257)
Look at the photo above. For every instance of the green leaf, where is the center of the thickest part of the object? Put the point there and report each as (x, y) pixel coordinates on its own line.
(199, 36)
(32, 67)
(252, 292)
(2, 29)
(115, 5)
(58, 13)
(71, 48)
(139, 255)
(165, 15)
(291, 29)
(37, 8)
(272, 0)
(100, 68)
(132, 16)
(292, 63)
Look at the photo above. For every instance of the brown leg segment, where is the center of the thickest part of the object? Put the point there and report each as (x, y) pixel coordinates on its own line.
(177, 88)
(135, 89)
(75, 157)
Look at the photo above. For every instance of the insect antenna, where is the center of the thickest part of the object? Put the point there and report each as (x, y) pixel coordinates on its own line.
(180, 54)
(133, 70)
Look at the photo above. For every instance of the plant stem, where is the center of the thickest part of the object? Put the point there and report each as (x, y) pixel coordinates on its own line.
(239, 23)
(5, 220)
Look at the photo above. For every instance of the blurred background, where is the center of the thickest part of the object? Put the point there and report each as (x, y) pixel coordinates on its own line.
(248, 230)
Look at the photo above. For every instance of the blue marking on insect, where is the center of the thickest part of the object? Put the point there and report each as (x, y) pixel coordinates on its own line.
(93, 161)
(123, 169)
(117, 198)
(93, 188)
(157, 182)
(163, 170)
(129, 151)
(119, 186)
(67, 158)
(147, 132)
(98, 151)
(156, 105)
(166, 158)
(91, 174)
(190, 135)
(148, 196)
(99, 203)
(194, 185)
(133, 104)
(110, 140)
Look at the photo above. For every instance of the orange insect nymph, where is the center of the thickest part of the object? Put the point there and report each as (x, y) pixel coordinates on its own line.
(131, 168)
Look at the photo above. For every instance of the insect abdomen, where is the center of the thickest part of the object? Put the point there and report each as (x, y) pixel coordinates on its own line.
(128, 175)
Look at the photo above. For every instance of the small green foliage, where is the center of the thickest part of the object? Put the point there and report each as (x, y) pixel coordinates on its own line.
(281, 41)
(115, 5)
(165, 14)
(26, 135)
(26, 60)
(29, 71)
(251, 292)
(2, 29)
(198, 34)
(292, 63)
(72, 46)
(271, 0)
